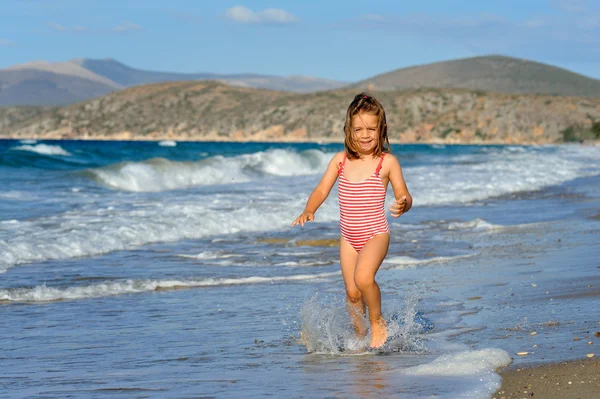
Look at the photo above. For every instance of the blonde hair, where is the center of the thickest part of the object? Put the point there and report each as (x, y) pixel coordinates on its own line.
(368, 104)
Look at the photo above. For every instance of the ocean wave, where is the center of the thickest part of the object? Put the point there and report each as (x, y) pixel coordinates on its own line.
(159, 174)
(44, 149)
(44, 293)
(210, 255)
(16, 195)
(305, 263)
(95, 231)
(167, 143)
(474, 225)
(404, 262)
(499, 172)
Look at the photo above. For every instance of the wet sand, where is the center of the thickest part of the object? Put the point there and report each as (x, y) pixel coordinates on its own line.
(568, 380)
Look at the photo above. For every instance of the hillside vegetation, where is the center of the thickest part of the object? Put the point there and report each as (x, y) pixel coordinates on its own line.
(214, 111)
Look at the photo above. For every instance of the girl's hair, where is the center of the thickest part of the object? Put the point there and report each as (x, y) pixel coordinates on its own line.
(368, 104)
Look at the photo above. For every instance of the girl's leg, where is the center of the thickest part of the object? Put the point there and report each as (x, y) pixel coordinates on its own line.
(354, 300)
(367, 264)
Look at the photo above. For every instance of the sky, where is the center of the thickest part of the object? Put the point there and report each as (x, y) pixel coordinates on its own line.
(343, 40)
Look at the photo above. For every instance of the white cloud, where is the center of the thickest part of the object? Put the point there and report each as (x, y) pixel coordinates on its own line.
(127, 27)
(62, 28)
(57, 27)
(6, 43)
(571, 5)
(241, 14)
(276, 15)
(374, 17)
(245, 15)
(536, 23)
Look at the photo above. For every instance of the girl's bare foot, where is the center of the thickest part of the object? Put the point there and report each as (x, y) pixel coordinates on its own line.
(378, 333)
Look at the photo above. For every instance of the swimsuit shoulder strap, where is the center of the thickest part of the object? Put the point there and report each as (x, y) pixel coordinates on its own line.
(342, 165)
(380, 163)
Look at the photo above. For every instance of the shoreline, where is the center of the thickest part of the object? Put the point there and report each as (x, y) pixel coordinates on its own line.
(566, 379)
(291, 140)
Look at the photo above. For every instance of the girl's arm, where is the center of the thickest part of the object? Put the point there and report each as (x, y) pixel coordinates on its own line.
(321, 192)
(403, 201)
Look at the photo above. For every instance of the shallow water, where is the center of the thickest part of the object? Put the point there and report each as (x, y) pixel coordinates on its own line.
(149, 270)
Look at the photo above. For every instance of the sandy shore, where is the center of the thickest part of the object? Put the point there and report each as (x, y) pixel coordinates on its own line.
(568, 380)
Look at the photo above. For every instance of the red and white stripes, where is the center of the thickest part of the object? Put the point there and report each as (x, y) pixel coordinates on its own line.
(362, 213)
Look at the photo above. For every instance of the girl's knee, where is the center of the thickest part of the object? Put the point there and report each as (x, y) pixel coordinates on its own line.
(353, 295)
(364, 281)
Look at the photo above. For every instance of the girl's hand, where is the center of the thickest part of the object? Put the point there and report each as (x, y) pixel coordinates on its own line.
(398, 207)
(305, 217)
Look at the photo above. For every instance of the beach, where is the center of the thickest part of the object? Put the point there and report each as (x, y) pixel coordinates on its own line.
(575, 379)
(170, 270)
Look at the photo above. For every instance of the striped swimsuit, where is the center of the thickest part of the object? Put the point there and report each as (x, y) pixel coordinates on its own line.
(362, 214)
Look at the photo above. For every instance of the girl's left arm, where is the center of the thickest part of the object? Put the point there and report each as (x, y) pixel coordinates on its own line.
(403, 201)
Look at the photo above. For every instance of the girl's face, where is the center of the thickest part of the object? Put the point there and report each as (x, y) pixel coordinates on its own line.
(365, 132)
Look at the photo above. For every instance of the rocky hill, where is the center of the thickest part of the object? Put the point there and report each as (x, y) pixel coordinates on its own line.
(214, 111)
(489, 73)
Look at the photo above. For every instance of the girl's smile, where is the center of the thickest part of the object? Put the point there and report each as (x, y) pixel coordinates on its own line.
(365, 128)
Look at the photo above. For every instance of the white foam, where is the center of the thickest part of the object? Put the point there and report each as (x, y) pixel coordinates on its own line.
(44, 294)
(474, 225)
(499, 172)
(304, 263)
(160, 174)
(167, 143)
(210, 255)
(28, 141)
(95, 230)
(15, 195)
(404, 262)
(473, 372)
(43, 149)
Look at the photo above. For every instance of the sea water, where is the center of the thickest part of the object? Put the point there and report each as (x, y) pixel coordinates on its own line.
(144, 269)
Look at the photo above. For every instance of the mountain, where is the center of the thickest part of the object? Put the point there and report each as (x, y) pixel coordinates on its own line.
(209, 110)
(489, 73)
(61, 83)
(41, 87)
(127, 76)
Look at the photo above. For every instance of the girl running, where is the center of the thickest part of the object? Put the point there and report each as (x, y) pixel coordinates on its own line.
(364, 169)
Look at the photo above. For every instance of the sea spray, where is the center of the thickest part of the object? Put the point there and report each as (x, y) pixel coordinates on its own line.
(326, 327)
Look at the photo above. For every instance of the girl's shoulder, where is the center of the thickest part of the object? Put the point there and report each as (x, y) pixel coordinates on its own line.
(389, 161)
(338, 157)
(389, 158)
(337, 160)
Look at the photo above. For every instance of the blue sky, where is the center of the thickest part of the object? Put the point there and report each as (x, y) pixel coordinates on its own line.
(337, 39)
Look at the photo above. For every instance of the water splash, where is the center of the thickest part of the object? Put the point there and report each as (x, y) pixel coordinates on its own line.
(327, 327)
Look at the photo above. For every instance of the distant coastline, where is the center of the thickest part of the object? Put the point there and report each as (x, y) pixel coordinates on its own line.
(316, 140)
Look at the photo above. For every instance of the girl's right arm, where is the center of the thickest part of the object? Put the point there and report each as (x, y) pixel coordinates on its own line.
(321, 192)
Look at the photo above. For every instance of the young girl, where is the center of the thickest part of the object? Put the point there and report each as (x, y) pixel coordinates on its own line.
(364, 169)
